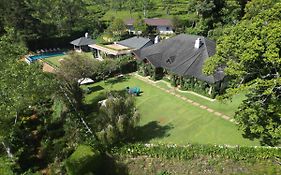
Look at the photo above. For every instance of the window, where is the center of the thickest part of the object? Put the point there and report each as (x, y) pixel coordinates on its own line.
(171, 59)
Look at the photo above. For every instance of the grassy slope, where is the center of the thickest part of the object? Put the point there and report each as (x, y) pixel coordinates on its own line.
(167, 119)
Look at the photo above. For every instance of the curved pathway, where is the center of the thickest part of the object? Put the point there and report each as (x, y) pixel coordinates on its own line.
(172, 92)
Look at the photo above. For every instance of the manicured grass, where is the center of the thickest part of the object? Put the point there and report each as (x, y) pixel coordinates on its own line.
(168, 119)
(225, 107)
(55, 61)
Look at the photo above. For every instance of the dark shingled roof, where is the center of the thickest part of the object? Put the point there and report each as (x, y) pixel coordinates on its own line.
(152, 22)
(136, 42)
(179, 55)
(82, 41)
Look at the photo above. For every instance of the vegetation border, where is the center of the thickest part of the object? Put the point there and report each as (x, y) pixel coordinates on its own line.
(190, 151)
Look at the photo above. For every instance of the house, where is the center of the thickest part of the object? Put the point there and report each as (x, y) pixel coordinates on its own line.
(123, 47)
(82, 43)
(183, 55)
(163, 26)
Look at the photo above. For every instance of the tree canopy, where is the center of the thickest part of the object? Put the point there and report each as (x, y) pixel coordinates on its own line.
(140, 26)
(250, 55)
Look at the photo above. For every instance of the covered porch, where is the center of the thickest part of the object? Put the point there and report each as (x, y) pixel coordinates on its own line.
(110, 51)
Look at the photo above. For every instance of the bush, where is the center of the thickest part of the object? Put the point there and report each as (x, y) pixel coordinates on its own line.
(126, 64)
(5, 167)
(83, 161)
(196, 150)
(147, 69)
(110, 67)
(195, 85)
(117, 118)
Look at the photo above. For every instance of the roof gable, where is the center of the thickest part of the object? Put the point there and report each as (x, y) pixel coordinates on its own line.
(136, 42)
(82, 41)
(179, 55)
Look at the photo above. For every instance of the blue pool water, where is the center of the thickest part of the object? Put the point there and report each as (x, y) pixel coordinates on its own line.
(44, 55)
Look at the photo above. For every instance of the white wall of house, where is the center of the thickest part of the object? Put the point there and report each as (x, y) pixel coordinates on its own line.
(161, 29)
(165, 29)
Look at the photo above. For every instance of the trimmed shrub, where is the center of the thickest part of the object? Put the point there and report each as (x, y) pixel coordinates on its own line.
(197, 150)
(83, 161)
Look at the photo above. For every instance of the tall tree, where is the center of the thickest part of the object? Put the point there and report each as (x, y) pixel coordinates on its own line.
(140, 26)
(117, 119)
(250, 55)
(66, 16)
(117, 27)
(178, 25)
(206, 14)
(74, 68)
(16, 14)
(252, 9)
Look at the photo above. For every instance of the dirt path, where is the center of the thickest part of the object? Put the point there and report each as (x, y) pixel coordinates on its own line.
(172, 92)
(48, 68)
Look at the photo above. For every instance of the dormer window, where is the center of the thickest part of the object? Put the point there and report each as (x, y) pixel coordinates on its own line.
(171, 59)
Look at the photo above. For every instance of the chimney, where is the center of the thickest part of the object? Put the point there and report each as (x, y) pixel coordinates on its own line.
(86, 35)
(156, 39)
(198, 43)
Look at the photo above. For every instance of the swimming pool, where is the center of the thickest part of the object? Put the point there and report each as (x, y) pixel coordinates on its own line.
(33, 58)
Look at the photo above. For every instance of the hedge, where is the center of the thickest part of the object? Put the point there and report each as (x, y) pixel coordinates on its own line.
(195, 85)
(121, 65)
(184, 82)
(196, 150)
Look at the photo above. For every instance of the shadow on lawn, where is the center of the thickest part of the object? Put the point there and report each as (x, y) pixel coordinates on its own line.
(151, 131)
(95, 88)
(93, 105)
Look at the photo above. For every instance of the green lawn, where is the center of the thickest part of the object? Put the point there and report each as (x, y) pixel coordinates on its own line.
(55, 61)
(168, 119)
(226, 107)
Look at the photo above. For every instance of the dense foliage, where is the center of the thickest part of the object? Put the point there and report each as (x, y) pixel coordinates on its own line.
(42, 117)
(183, 82)
(191, 151)
(117, 118)
(250, 54)
(197, 159)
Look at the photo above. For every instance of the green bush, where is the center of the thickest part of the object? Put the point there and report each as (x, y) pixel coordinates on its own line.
(196, 150)
(5, 167)
(83, 161)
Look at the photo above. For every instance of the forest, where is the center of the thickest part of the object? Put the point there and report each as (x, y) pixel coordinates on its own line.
(44, 127)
